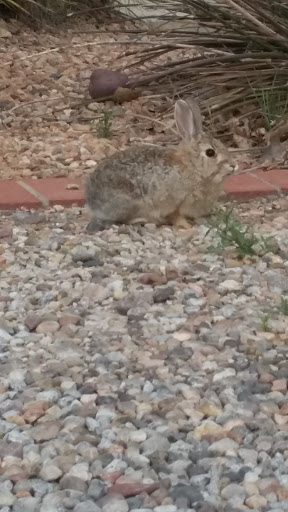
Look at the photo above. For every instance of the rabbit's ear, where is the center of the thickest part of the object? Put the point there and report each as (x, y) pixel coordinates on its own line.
(188, 119)
(196, 113)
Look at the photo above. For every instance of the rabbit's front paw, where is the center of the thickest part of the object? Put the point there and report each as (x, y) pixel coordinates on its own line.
(180, 222)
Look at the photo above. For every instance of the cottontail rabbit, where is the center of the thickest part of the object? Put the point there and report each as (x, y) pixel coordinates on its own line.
(151, 184)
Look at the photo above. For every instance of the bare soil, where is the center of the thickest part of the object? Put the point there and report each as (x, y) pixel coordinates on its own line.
(49, 126)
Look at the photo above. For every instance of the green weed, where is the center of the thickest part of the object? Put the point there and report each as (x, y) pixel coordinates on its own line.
(265, 323)
(273, 102)
(283, 306)
(104, 125)
(233, 233)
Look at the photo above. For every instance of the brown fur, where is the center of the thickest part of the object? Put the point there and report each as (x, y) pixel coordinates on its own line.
(159, 185)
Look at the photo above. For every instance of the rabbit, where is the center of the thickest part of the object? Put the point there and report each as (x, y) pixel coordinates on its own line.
(151, 184)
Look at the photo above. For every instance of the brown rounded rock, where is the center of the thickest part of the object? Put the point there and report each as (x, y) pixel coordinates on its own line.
(104, 82)
(256, 502)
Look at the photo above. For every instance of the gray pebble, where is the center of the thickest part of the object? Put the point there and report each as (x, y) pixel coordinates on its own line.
(234, 493)
(87, 506)
(191, 492)
(73, 482)
(50, 472)
(53, 502)
(5, 337)
(29, 504)
(6, 498)
(123, 362)
(155, 443)
(162, 294)
(115, 504)
(224, 446)
(97, 489)
(166, 508)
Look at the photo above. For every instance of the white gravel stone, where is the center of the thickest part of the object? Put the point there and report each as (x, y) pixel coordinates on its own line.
(165, 508)
(229, 372)
(6, 498)
(50, 472)
(116, 505)
(224, 447)
(123, 366)
(138, 436)
(230, 285)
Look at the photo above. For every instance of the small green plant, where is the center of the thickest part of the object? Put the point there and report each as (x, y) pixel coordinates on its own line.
(232, 233)
(273, 102)
(265, 323)
(283, 306)
(104, 125)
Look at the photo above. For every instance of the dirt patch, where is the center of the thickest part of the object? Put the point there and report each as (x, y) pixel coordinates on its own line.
(48, 124)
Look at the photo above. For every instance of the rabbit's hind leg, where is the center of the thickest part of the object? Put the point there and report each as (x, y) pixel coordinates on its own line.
(179, 221)
(119, 210)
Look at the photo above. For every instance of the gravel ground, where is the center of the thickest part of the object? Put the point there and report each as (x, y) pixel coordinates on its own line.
(139, 371)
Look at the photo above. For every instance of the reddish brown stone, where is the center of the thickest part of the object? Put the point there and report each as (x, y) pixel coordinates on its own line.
(32, 415)
(104, 82)
(38, 404)
(3, 298)
(282, 493)
(268, 485)
(18, 476)
(280, 385)
(23, 494)
(32, 321)
(111, 477)
(133, 489)
(153, 278)
(266, 378)
(5, 232)
(34, 410)
(284, 409)
(69, 319)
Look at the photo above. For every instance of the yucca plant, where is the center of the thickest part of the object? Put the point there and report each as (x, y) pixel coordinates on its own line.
(236, 57)
(49, 11)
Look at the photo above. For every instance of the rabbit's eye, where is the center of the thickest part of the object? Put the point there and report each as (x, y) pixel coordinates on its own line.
(210, 152)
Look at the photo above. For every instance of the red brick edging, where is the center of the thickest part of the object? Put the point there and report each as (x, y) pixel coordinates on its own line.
(30, 193)
(40, 193)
